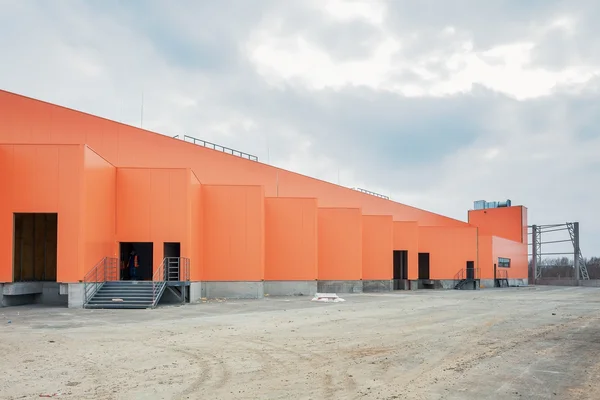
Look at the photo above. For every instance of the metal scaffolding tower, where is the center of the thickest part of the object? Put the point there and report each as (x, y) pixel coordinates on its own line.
(581, 272)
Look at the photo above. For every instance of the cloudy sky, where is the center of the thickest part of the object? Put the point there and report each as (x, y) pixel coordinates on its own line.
(434, 103)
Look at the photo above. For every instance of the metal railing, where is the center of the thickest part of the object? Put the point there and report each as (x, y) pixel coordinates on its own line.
(218, 147)
(158, 283)
(501, 274)
(465, 275)
(170, 269)
(104, 271)
(371, 193)
(177, 269)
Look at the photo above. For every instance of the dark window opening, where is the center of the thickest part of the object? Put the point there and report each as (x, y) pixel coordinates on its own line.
(503, 262)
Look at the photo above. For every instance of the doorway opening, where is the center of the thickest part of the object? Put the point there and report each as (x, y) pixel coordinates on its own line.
(35, 238)
(470, 269)
(144, 252)
(172, 254)
(424, 266)
(400, 268)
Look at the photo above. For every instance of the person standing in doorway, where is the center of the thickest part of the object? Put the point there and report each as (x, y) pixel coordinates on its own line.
(133, 265)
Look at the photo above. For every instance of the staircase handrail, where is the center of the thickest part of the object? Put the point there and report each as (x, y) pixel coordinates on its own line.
(158, 282)
(104, 270)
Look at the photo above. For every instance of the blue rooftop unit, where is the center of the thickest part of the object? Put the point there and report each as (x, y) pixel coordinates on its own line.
(482, 204)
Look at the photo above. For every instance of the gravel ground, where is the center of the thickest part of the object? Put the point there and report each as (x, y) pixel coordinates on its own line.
(528, 343)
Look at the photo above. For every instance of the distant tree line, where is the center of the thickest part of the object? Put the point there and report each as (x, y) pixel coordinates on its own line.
(562, 267)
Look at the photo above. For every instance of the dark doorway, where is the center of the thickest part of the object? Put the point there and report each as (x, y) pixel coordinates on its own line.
(424, 266)
(495, 272)
(470, 269)
(400, 268)
(145, 252)
(35, 238)
(172, 252)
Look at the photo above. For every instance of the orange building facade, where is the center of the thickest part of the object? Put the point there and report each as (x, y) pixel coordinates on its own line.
(78, 188)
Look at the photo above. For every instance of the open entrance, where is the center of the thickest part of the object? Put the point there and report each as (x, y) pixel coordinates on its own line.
(424, 266)
(144, 253)
(35, 247)
(470, 269)
(400, 268)
(172, 252)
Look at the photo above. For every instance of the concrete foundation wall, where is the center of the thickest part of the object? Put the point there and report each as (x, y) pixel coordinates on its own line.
(378, 286)
(233, 290)
(75, 296)
(195, 292)
(51, 295)
(340, 286)
(290, 288)
(22, 293)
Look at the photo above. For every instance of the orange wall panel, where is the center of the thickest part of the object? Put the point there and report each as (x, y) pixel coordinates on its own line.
(377, 247)
(449, 249)
(486, 257)
(516, 251)
(406, 237)
(233, 233)
(340, 243)
(196, 228)
(290, 239)
(32, 121)
(98, 210)
(43, 179)
(153, 206)
(506, 222)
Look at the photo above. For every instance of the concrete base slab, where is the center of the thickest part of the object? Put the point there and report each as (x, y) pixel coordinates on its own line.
(413, 285)
(340, 286)
(75, 296)
(195, 292)
(290, 288)
(22, 293)
(51, 295)
(371, 286)
(233, 290)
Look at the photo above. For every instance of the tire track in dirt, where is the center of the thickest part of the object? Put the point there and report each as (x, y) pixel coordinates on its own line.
(205, 363)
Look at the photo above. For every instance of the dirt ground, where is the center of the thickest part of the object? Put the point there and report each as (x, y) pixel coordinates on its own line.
(517, 343)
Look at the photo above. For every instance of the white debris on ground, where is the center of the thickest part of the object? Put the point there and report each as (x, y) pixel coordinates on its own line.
(327, 297)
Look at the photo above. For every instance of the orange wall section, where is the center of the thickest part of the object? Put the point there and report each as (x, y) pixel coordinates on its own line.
(406, 237)
(449, 249)
(32, 121)
(290, 239)
(377, 247)
(486, 257)
(506, 222)
(196, 233)
(43, 179)
(340, 243)
(153, 206)
(233, 232)
(98, 215)
(517, 252)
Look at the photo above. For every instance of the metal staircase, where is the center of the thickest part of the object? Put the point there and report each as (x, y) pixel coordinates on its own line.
(126, 294)
(467, 279)
(103, 289)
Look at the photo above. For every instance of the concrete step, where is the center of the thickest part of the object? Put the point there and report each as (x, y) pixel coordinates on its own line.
(124, 296)
(112, 305)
